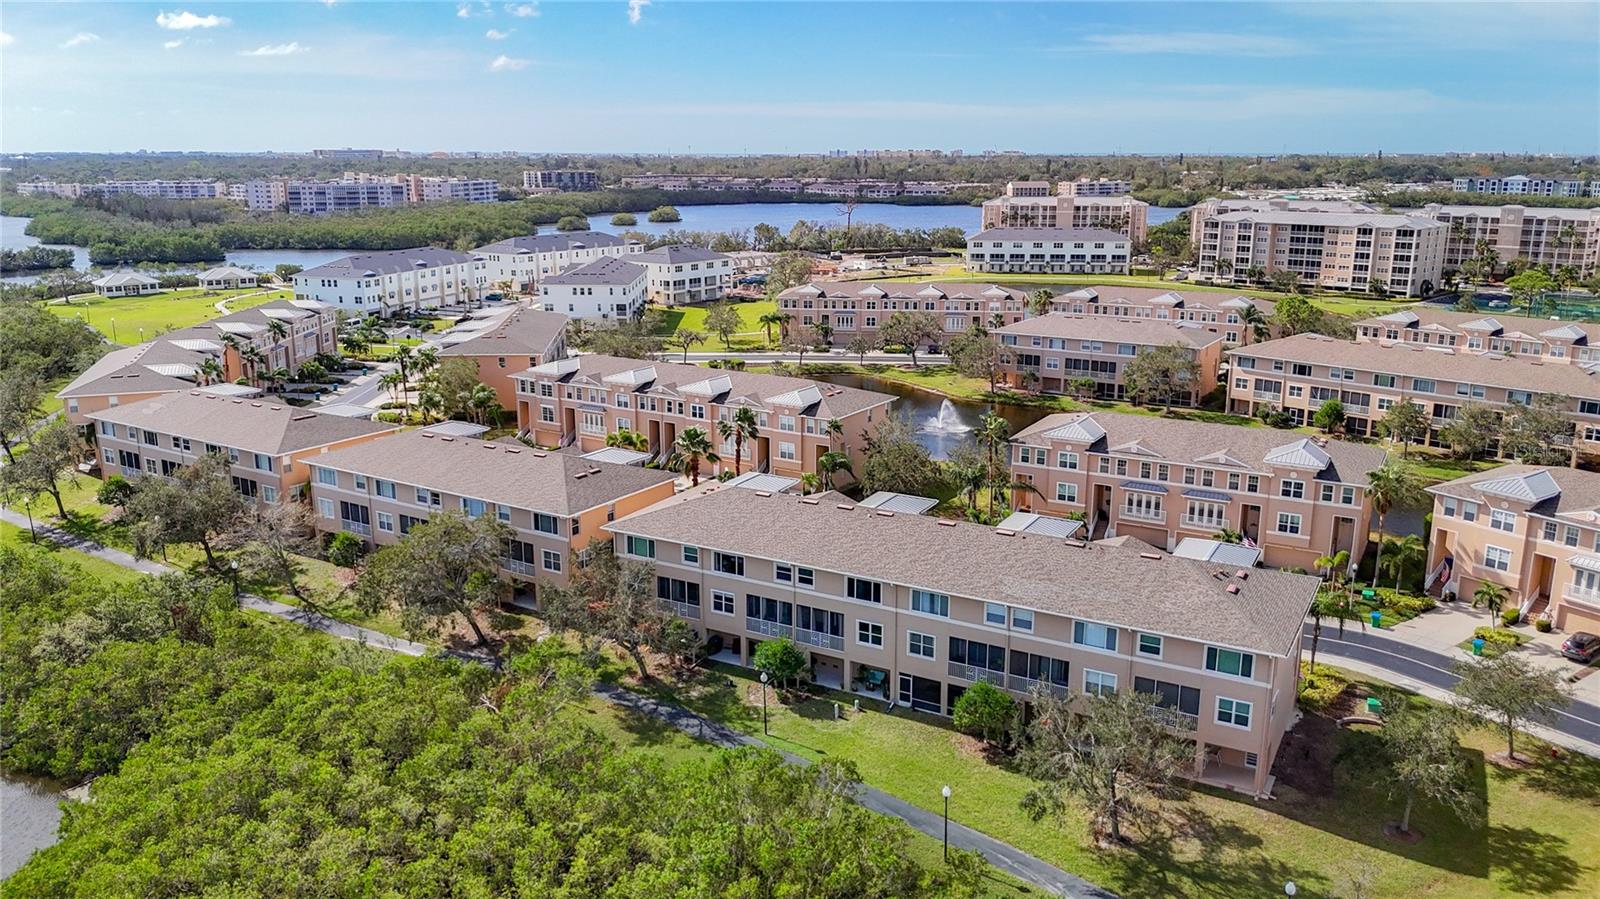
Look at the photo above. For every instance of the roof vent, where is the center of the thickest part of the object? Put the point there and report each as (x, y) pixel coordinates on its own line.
(513, 449)
(580, 475)
(540, 454)
(1005, 532)
(945, 522)
(428, 434)
(257, 405)
(808, 500)
(763, 493)
(447, 439)
(1242, 575)
(1233, 588)
(1077, 543)
(1154, 557)
(885, 513)
(304, 416)
(844, 507)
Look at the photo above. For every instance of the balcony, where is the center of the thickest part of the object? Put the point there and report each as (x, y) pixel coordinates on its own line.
(1212, 524)
(1581, 596)
(1028, 685)
(680, 609)
(1267, 395)
(1182, 722)
(518, 567)
(818, 639)
(355, 527)
(768, 628)
(973, 674)
(1143, 514)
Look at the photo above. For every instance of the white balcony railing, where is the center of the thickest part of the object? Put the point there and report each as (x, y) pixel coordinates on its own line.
(818, 639)
(1581, 595)
(974, 674)
(1195, 521)
(1028, 685)
(681, 609)
(356, 527)
(1267, 395)
(768, 628)
(516, 566)
(1143, 514)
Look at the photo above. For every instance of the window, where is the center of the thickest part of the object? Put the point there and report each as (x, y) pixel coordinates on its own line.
(1291, 489)
(1288, 523)
(385, 488)
(408, 522)
(385, 522)
(722, 602)
(474, 508)
(864, 590)
(1549, 530)
(263, 462)
(325, 508)
(675, 590)
(1022, 619)
(546, 524)
(994, 613)
(1234, 712)
(930, 603)
(1150, 645)
(1099, 683)
(1067, 460)
(786, 452)
(728, 563)
(804, 577)
(427, 497)
(1469, 511)
(920, 644)
(1497, 558)
(328, 476)
(642, 547)
(978, 655)
(1066, 493)
(552, 560)
(782, 572)
(361, 482)
(869, 634)
(1098, 636)
(691, 555)
(269, 494)
(1170, 696)
(1501, 520)
(1228, 661)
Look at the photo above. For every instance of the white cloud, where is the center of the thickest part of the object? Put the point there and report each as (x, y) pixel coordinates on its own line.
(636, 10)
(523, 10)
(6, 39)
(290, 49)
(1199, 42)
(463, 11)
(172, 45)
(79, 39)
(495, 35)
(503, 63)
(468, 10)
(184, 21)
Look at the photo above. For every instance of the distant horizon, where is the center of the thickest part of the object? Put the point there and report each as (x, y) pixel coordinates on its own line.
(783, 78)
(967, 154)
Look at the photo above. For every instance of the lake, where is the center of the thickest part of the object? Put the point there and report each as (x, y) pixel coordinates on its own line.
(942, 424)
(30, 811)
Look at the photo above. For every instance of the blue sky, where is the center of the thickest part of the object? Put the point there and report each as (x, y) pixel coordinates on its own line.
(660, 75)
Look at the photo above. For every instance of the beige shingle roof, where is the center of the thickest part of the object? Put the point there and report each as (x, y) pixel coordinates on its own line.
(506, 473)
(1108, 584)
(905, 290)
(1185, 442)
(257, 425)
(1579, 494)
(1147, 332)
(526, 332)
(1488, 369)
(1423, 314)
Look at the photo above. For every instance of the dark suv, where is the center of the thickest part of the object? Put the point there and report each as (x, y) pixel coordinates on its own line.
(1581, 647)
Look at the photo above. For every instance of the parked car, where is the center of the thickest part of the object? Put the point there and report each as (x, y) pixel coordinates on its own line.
(1581, 647)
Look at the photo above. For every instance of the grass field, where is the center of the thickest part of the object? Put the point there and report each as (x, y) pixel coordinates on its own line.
(751, 334)
(131, 320)
(107, 571)
(1539, 837)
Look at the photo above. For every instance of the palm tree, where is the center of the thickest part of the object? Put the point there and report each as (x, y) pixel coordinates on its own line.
(1335, 604)
(279, 377)
(809, 483)
(1491, 596)
(834, 428)
(1392, 484)
(485, 404)
(692, 447)
(255, 359)
(782, 320)
(1335, 568)
(430, 405)
(1401, 553)
(210, 370)
(830, 463)
(278, 330)
(772, 318)
(1255, 324)
(402, 358)
(741, 428)
(997, 320)
(426, 360)
(1040, 300)
(390, 380)
(994, 433)
(1228, 535)
(628, 439)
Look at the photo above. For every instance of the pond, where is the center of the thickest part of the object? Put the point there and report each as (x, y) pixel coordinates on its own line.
(30, 809)
(942, 423)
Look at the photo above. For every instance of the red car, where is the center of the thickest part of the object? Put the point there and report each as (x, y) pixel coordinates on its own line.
(1581, 647)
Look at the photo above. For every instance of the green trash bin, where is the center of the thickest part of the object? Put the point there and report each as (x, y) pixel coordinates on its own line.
(1377, 618)
(1477, 646)
(1374, 707)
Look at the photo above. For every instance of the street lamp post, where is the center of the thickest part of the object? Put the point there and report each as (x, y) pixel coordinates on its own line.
(233, 568)
(945, 792)
(31, 532)
(764, 730)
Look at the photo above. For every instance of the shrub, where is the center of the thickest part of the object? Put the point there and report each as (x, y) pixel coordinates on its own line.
(572, 223)
(984, 710)
(1542, 625)
(1318, 691)
(624, 220)
(345, 549)
(1495, 640)
(1510, 617)
(116, 490)
(780, 659)
(665, 214)
(725, 476)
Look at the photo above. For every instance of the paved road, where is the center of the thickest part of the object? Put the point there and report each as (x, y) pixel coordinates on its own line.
(1580, 720)
(1003, 856)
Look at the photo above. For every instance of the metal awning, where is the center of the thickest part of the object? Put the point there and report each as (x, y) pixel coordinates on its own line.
(1144, 486)
(1208, 494)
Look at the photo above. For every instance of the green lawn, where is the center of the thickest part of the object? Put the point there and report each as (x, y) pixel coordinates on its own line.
(1539, 838)
(751, 335)
(121, 318)
(106, 571)
(1434, 468)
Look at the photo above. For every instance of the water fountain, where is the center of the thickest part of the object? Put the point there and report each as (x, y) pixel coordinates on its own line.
(947, 421)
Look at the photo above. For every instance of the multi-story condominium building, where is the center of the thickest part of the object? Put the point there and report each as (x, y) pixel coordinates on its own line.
(560, 180)
(1096, 187)
(608, 289)
(917, 609)
(582, 399)
(1472, 332)
(678, 275)
(261, 194)
(515, 343)
(1298, 374)
(1162, 480)
(426, 189)
(186, 189)
(1541, 235)
(1053, 250)
(123, 283)
(68, 190)
(1215, 311)
(324, 197)
(1025, 206)
(267, 443)
(1339, 251)
(386, 282)
(524, 260)
(554, 503)
(209, 355)
(860, 307)
(347, 153)
(1205, 210)
(1534, 531)
(1523, 184)
(1059, 350)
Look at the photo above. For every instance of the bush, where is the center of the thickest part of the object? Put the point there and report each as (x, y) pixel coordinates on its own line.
(1404, 606)
(1542, 625)
(665, 214)
(624, 220)
(1510, 617)
(780, 659)
(984, 710)
(345, 549)
(572, 223)
(1495, 640)
(1318, 691)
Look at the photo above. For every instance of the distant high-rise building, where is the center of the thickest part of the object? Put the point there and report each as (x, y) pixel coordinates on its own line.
(560, 180)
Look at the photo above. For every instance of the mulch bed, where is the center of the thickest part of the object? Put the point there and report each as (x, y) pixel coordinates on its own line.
(1305, 760)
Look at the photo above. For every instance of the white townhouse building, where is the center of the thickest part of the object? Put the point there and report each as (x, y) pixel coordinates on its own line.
(680, 274)
(387, 282)
(525, 260)
(608, 288)
(1056, 250)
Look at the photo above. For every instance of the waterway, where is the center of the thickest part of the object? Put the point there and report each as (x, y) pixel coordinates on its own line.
(942, 423)
(30, 811)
